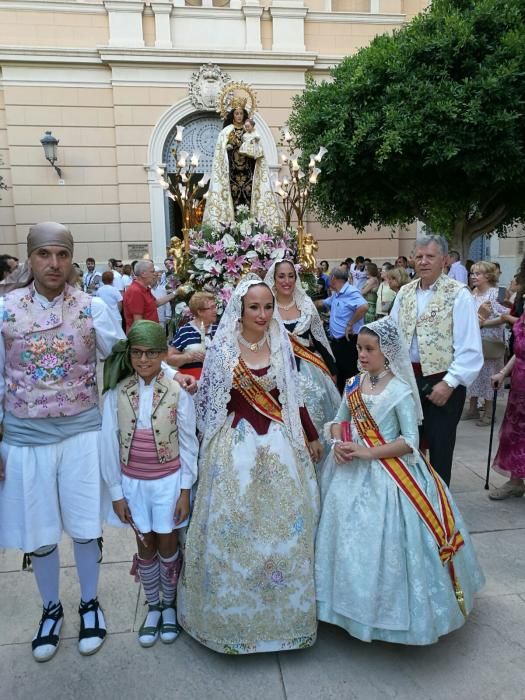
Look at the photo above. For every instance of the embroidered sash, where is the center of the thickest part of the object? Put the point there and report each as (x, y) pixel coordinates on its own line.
(305, 353)
(248, 386)
(441, 526)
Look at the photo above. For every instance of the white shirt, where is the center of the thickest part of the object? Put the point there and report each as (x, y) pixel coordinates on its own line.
(458, 272)
(360, 278)
(126, 280)
(107, 333)
(466, 338)
(164, 311)
(112, 297)
(186, 424)
(118, 282)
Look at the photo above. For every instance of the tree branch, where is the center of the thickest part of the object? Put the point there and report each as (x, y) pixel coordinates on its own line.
(487, 223)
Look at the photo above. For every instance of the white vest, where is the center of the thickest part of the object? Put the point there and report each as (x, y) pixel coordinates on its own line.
(434, 328)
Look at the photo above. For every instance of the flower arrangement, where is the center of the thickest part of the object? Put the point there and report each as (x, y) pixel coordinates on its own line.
(221, 255)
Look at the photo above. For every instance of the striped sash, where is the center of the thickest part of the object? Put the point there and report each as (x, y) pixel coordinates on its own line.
(251, 390)
(305, 353)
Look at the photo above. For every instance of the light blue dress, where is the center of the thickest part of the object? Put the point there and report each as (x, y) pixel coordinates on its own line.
(378, 571)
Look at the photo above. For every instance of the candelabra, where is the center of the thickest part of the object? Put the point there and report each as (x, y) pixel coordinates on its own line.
(186, 191)
(295, 190)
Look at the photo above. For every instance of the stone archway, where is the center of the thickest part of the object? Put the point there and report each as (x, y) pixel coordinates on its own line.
(181, 113)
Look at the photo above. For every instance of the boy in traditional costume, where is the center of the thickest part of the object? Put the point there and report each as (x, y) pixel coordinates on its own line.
(149, 462)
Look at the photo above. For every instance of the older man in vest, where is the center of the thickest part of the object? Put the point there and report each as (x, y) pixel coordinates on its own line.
(49, 456)
(438, 320)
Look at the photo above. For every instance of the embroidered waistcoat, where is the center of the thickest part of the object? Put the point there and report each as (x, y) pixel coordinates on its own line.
(50, 364)
(163, 416)
(434, 328)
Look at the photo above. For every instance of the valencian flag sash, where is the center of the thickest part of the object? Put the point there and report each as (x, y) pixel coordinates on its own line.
(305, 353)
(248, 386)
(441, 526)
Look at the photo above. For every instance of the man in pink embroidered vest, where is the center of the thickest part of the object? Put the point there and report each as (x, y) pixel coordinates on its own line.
(49, 457)
(438, 320)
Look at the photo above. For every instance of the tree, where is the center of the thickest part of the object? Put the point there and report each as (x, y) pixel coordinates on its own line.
(427, 123)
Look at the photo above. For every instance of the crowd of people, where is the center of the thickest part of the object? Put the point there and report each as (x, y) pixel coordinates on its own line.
(295, 458)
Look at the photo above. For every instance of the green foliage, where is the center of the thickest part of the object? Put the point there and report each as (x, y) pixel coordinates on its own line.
(428, 123)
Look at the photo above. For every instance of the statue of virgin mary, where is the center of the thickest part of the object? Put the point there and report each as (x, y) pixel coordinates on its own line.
(240, 174)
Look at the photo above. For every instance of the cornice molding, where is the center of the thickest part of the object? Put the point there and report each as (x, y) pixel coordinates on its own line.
(355, 18)
(52, 6)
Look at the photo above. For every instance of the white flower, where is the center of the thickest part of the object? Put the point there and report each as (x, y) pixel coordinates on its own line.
(251, 254)
(199, 263)
(229, 242)
(245, 228)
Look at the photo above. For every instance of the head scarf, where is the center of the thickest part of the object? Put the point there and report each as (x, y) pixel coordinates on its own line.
(40, 235)
(394, 349)
(221, 359)
(49, 233)
(309, 319)
(147, 334)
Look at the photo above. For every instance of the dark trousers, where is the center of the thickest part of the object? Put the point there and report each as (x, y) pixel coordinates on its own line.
(438, 432)
(345, 353)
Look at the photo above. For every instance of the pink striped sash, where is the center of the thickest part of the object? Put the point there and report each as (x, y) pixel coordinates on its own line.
(143, 462)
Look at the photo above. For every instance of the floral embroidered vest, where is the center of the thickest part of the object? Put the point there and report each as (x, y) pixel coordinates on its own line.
(163, 416)
(50, 365)
(433, 328)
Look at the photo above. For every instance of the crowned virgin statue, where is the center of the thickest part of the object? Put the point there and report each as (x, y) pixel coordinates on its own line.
(240, 174)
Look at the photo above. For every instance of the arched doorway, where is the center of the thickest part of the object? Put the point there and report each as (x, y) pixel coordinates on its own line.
(199, 136)
(195, 136)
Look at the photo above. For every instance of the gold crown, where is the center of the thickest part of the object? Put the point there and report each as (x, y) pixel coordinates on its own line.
(238, 103)
(236, 95)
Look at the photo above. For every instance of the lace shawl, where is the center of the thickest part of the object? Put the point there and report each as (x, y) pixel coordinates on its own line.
(221, 359)
(309, 319)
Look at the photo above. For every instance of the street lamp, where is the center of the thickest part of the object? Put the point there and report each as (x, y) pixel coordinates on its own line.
(50, 143)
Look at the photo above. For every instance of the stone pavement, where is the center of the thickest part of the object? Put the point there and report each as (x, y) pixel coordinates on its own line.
(485, 660)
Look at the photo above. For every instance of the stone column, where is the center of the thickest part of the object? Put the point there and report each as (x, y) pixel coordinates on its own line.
(288, 25)
(125, 22)
(252, 12)
(162, 12)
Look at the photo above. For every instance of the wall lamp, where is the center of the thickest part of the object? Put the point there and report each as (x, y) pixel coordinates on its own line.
(50, 143)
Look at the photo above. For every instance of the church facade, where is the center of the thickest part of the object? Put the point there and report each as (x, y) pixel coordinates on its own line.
(112, 79)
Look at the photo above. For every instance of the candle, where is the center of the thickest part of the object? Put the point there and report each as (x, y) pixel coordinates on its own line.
(320, 154)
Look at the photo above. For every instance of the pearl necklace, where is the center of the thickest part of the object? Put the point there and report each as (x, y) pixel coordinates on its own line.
(254, 347)
(286, 307)
(375, 378)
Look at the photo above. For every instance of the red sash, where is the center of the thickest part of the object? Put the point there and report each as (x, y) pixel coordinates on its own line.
(263, 402)
(441, 526)
(305, 353)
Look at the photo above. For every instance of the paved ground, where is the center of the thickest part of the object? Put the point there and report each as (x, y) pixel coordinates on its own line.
(482, 661)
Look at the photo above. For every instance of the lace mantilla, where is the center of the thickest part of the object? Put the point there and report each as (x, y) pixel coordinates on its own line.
(221, 359)
(394, 349)
(309, 319)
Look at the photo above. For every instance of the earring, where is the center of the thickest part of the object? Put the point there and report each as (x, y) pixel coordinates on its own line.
(387, 363)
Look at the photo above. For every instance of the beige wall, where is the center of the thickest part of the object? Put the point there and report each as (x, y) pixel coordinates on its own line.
(60, 72)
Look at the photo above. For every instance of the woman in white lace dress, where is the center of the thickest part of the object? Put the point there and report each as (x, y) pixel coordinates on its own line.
(380, 571)
(248, 579)
(312, 350)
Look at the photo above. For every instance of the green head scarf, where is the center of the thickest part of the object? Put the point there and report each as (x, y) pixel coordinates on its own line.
(117, 366)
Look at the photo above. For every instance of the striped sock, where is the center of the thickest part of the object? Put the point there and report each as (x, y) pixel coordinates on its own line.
(149, 574)
(169, 573)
